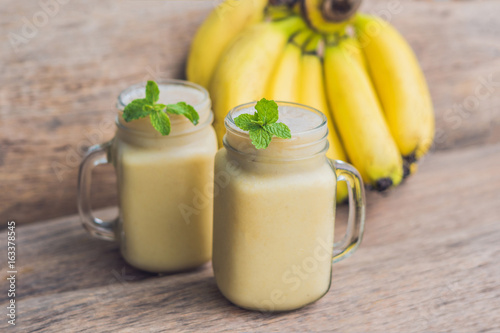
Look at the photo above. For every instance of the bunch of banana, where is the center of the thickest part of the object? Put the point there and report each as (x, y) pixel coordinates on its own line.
(355, 68)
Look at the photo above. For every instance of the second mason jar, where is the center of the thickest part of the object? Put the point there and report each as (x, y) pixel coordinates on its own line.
(274, 213)
(165, 184)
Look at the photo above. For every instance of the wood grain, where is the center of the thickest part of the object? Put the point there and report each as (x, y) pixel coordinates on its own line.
(428, 262)
(57, 92)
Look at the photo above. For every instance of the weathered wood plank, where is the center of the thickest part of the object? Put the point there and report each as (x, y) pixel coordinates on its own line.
(57, 92)
(429, 262)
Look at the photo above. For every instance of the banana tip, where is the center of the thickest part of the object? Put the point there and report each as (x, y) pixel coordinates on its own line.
(408, 163)
(406, 170)
(383, 184)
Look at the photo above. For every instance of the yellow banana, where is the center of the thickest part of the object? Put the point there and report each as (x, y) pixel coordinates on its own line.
(280, 9)
(360, 120)
(312, 92)
(214, 35)
(246, 66)
(282, 85)
(353, 48)
(400, 84)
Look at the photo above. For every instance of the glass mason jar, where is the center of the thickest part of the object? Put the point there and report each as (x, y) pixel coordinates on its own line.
(165, 210)
(274, 213)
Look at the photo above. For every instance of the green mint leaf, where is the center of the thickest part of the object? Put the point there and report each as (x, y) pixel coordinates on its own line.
(160, 122)
(135, 110)
(140, 108)
(279, 129)
(262, 126)
(246, 122)
(260, 137)
(256, 119)
(267, 111)
(185, 110)
(152, 92)
(159, 107)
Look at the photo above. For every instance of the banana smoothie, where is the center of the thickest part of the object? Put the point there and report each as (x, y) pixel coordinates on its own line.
(164, 184)
(274, 217)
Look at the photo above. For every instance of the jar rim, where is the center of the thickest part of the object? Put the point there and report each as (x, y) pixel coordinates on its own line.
(204, 103)
(271, 159)
(156, 134)
(121, 104)
(229, 120)
(303, 144)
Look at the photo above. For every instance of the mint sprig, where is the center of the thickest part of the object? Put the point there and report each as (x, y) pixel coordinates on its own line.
(262, 125)
(143, 107)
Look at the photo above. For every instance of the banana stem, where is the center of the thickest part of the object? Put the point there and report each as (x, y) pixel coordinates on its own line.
(301, 38)
(278, 10)
(311, 45)
(335, 38)
(288, 3)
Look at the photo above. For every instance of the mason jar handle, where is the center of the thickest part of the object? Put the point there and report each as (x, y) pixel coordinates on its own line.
(356, 221)
(96, 155)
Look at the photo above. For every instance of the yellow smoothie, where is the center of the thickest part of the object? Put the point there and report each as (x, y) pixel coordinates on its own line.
(165, 186)
(274, 218)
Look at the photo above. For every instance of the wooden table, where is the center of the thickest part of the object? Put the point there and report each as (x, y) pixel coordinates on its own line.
(430, 261)
(58, 91)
